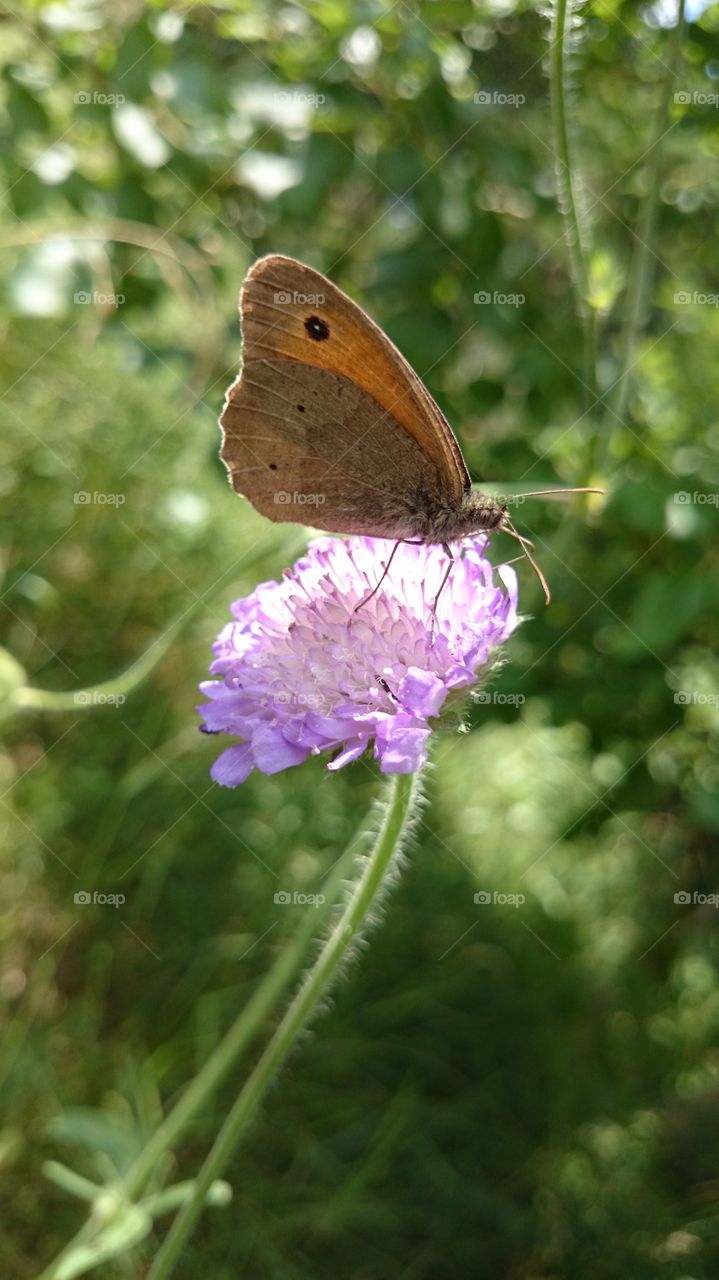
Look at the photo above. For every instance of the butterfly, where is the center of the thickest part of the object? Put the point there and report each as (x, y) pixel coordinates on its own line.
(328, 425)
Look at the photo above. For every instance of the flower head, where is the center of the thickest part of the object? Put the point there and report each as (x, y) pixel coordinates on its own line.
(300, 671)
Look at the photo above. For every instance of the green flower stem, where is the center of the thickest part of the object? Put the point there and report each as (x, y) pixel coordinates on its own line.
(365, 896)
(240, 1035)
(70, 1181)
(90, 1247)
(219, 1193)
(640, 272)
(77, 1256)
(569, 204)
(16, 695)
(27, 698)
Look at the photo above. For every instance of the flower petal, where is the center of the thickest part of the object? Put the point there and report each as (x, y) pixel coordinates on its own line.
(351, 752)
(272, 751)
(233, 766)
(422, 692)
(401, 744)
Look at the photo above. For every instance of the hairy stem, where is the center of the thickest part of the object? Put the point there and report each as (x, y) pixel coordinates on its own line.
(78, 1256)
(641, 268)
(576, 235)
(239, 1037)
(365, 896)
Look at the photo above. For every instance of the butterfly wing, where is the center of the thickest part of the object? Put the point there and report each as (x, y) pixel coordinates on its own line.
(328, 424)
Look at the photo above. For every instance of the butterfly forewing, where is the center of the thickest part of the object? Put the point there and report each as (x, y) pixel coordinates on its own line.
(328, 424)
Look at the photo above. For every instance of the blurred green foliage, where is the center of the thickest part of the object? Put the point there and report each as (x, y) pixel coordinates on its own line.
(497, 1090)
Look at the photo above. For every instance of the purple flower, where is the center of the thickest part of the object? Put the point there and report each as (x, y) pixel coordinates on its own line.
(299, 671)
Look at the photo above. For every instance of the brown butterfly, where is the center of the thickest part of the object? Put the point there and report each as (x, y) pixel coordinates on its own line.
(328, 424)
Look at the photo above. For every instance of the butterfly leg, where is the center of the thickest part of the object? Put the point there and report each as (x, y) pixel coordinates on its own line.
(374, 590)
(525, 544)
(448, 551)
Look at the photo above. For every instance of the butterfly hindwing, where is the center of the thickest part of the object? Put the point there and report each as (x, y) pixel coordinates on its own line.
(309, 446)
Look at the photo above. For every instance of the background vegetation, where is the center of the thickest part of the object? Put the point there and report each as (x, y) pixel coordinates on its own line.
(495, 1091)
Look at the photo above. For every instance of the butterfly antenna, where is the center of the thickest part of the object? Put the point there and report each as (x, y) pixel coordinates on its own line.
(524, 543)
(551, 493)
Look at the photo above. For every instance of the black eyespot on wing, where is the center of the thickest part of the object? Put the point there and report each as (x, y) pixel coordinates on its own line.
(301, 408)
(273, 466)
(317, 328)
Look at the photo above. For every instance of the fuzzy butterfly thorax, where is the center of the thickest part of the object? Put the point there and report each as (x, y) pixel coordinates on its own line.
(476, 514)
